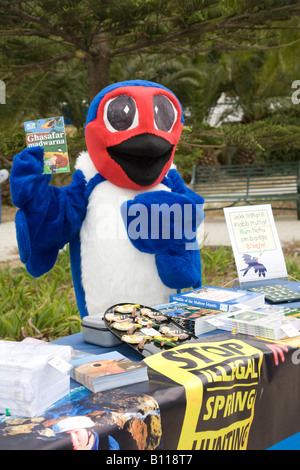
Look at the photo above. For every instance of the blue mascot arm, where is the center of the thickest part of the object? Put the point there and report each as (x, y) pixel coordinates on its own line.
(175, 182)
(165, 224)
(48, 217)
(185, 266)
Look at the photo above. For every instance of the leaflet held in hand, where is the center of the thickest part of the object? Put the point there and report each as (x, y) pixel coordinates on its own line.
(49, 133)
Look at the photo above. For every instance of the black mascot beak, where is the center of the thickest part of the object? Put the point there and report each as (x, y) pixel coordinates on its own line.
(142, 157)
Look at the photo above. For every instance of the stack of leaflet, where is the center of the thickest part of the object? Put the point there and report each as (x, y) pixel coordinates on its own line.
(264, 325)
(33, 376)
(99, 372)
(280, 310)
(193, 319)
(220, 298)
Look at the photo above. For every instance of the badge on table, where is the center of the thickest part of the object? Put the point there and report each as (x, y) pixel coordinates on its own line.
(50, 134)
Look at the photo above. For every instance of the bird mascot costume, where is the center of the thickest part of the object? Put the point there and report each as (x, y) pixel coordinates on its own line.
(130, 221)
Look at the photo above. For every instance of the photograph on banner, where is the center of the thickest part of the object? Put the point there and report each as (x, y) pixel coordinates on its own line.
(255, 243)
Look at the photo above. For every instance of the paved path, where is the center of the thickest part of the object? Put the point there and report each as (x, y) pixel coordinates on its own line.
(215, 233)
(8, 242)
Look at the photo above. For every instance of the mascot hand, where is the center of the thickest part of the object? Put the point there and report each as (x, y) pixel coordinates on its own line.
(27, 178)
(161, 222)
(180, 271)
(165, 224)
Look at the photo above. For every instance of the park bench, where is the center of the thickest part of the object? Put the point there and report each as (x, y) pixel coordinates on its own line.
(3, 177)
(250, 184)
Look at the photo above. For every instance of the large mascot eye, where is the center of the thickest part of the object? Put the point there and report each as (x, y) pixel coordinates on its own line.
(165, 113)
(120, 114)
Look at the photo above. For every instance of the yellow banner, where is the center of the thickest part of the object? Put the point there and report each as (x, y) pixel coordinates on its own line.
(221, 382)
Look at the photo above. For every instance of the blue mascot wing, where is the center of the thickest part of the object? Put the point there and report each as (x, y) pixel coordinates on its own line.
(184, 269)
(48, 217)
(177, 255)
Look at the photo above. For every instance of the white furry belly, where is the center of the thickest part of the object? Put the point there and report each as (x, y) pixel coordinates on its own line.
(113, 270)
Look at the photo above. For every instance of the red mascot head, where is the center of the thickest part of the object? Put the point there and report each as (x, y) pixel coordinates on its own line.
(132, 131)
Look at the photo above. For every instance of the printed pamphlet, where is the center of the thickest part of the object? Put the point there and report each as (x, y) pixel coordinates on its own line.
(219, 298)
(255, 243)
(107, 371)
(49, 133)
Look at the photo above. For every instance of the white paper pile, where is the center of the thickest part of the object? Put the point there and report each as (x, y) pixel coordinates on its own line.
(28, 382)
(270, 326)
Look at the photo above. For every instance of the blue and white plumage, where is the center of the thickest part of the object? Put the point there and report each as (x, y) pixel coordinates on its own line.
(112, 269)
(93, 214)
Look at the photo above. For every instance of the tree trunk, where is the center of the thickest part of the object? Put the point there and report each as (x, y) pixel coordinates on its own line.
(97, 63)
